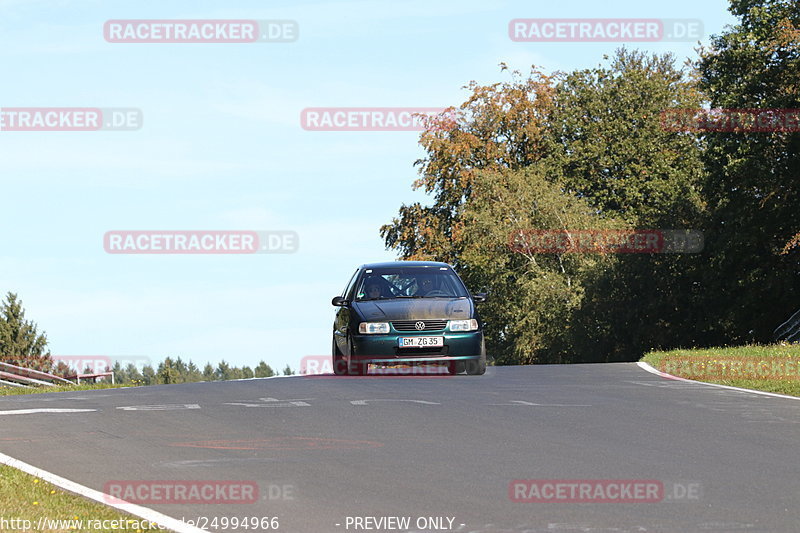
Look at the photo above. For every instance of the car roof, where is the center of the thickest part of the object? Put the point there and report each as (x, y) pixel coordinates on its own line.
(390, 264)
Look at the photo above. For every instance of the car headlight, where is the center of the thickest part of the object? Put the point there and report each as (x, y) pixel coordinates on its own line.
(464, 325)
(368, 328)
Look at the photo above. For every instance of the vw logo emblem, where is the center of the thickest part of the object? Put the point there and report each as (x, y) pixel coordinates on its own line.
(420, 325)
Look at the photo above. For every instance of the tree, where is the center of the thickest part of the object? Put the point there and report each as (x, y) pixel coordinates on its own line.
(533, 294)
(20, 343)
(753, 184)
(193, 374)
(500, 126)
(134, 375)
(288, 371)
(223, 371)
(120, 374)
(149, 375)
(614, 150)
(208, 373)
(592, 146)
(263, 370)
(616, 153)
(167, 374)
(181, 369)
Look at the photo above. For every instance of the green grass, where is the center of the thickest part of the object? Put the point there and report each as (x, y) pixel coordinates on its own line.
(25, 497)
(14, 391)
(770, 368)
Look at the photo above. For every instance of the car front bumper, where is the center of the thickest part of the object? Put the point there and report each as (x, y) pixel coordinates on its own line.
(385, 349)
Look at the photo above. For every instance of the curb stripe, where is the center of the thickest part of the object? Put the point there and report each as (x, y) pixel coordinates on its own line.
(136, 510)
(648, 368)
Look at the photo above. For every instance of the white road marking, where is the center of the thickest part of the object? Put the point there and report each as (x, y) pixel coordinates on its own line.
(274, 402)
(168, 407)
(36, 411)
(648, 368)
(521, 402)
(136, 510)
(364, 402)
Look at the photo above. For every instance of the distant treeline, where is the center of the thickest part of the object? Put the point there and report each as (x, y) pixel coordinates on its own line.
(22, 345)
(177, 371)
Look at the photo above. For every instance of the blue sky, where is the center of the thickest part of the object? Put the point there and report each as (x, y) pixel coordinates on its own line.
(222, 148)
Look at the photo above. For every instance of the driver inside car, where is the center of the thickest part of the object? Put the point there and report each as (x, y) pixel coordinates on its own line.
(425, 285)
(372, 291)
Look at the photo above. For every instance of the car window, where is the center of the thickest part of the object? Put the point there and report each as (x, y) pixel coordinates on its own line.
(347, 294)
(410, 282)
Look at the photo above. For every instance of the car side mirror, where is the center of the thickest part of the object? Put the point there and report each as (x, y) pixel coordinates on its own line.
(479, 297)
(339, 301)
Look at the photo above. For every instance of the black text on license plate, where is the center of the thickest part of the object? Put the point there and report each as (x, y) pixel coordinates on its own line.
(421, 342)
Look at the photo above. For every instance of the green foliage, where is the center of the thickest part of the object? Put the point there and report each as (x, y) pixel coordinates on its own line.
(167, 373)
(223, 371)
(589, 149)
(584, 150)
(20, 342)
(613, 148)
(171, 371)
(149, 375)
(753, 183)
(500, 126)
(263, 370)
(533, 295)
(208, 373)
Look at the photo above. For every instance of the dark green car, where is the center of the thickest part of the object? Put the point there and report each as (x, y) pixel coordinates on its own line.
(407, 312)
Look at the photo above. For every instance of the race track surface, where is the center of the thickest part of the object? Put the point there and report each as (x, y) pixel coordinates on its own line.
(326, 453)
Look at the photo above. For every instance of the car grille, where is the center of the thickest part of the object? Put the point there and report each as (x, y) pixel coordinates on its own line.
(414, 325)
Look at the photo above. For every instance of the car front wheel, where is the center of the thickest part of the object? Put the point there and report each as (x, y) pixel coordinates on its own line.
(339, 364)
(456, 367)
(478, 368)
(355, 368)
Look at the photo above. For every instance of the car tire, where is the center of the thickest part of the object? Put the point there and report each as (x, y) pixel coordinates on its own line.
(355, 368)
(478, 368)
(456, 367)
(339, 364)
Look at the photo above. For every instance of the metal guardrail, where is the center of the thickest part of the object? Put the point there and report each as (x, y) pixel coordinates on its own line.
(26, 376)
(4, 383)
(789, 331)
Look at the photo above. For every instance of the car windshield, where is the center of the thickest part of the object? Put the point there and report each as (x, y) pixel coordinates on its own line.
(410, 282)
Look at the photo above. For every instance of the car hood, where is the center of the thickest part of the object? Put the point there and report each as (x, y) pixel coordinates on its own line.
(415, 309)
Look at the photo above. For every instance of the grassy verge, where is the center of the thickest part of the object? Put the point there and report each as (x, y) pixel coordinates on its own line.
(13, 391)
(25, 500)
(771, 368)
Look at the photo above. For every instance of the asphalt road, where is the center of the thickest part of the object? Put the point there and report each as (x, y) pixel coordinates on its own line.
(326, 451)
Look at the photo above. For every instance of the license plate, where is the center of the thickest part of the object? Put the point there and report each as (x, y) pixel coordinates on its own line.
(421, 342)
